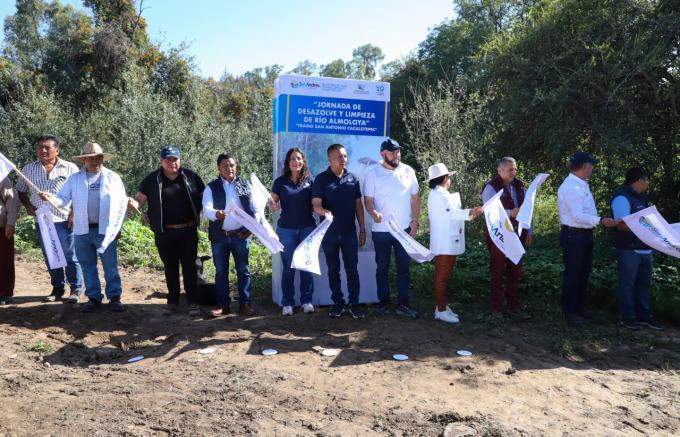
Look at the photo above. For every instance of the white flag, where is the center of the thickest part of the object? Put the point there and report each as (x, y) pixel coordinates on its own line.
(415, 250)
(526, 210)
(306, 255)
(654, 231)
(260, 194)
(263, 232)
(50, 238)
(117, 211)
(500, 229)
(6, 166)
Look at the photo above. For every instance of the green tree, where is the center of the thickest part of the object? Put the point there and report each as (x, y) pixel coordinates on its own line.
(601, 76)
(307, 68)
(334, 68)
(364, 61)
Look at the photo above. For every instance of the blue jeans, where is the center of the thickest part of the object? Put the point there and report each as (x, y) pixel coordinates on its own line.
(384, 242)
(240, 249)
(86, 249)
(291, 238)
(635, 278)
(577, 252)
(74, 273)
(332, 244)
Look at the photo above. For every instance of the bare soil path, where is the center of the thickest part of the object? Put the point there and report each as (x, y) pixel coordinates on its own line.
(76, 381)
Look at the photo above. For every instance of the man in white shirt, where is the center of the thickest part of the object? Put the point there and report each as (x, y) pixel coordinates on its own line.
(578, 217)
(391, 190)
(226, 235)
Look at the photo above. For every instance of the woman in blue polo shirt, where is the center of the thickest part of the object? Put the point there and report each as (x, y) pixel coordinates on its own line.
(292, 193)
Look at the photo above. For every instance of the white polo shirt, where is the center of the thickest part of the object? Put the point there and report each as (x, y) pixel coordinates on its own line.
(391, 191)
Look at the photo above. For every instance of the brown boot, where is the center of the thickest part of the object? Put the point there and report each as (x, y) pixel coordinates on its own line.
(246, 310)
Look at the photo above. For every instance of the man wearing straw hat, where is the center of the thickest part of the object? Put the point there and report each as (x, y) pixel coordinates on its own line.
(49, 174)
(99, 207)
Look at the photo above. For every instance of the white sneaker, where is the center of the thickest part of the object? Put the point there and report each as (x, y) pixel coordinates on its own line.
(287, 311)
(307, 308)
(446, 316)
(448, 309)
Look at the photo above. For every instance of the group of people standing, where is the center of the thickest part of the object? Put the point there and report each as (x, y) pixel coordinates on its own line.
(82, 200)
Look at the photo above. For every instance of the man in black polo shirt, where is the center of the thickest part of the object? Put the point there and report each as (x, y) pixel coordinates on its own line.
(337, 191)
(174, 198)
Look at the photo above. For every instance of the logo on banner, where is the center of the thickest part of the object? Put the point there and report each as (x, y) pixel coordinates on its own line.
(658, 235)
(380, 90)
(361, 89)
(300, 84)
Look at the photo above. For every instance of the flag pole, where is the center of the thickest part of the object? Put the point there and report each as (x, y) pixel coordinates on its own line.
(30, 184)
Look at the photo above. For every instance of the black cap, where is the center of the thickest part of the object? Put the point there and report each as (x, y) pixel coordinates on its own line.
(170, 152)
(580, 158)
(389, 145)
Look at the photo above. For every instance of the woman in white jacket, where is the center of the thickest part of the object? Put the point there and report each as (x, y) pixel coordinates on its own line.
(447, 234)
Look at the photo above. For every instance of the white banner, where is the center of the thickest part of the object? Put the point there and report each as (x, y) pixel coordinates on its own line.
(415, 250)
(306, 256)
(500, 229)
(676, 227)
(526, 210)
(6, 166)
(654, 231)
(259, 227)
(117, 211)
(50, 238)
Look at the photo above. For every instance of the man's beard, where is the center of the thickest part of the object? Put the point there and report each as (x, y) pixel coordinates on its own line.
(393, 163)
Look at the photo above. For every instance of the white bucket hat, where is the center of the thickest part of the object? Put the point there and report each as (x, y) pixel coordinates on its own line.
(93, 149)
(438, 170)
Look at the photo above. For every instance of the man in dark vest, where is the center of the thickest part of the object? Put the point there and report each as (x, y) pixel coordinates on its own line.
(173, 194)
(634, 257)
(512, 198)
(226, 235)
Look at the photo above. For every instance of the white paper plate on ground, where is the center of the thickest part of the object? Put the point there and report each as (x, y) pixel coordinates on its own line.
(270, 352)
(400, 357)
(329, 352)
(208, 350)
(135, 359)
(464, 353)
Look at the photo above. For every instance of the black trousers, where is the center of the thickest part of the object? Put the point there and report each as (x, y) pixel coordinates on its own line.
(577, 251)
(175, 247)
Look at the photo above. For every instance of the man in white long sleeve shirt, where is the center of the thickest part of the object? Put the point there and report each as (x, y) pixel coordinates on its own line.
(226, 235)
(578, 218)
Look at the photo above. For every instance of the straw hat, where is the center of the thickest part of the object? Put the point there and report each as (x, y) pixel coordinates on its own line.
(93, 149)
(437, 170)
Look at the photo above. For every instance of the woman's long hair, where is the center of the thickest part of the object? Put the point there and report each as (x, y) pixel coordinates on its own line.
(304, 172)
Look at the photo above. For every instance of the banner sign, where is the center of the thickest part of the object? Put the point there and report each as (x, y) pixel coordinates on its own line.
(254, 225)
(306, 255)
(331, 106)
(415, 250)
(654, 231)
(311, 113)
(117, 213)
(50, 238)
(500, 229)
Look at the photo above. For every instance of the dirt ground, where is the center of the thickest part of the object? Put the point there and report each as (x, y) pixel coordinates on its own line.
(77, 382)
